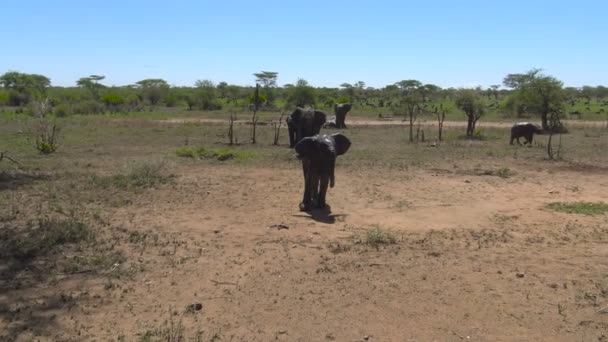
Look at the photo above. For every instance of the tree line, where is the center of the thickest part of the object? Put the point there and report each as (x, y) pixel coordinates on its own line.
(520, 95)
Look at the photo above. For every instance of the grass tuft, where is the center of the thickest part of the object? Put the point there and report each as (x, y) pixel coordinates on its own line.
(377, 237)
(585, 208)
(42, 237)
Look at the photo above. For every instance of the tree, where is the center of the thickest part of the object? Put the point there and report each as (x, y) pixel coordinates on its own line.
(469, 101)
(539, 93)
(153, 89)
(23, 87)
(221, 88)
(302, 94)
(428, 91)
(268, 79)
(92, 84)
(601, 92)
(206, 95)
(411, 97)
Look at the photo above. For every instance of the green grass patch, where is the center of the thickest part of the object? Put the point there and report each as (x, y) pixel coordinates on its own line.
(585, 208)
(377, 237)
(219, 154)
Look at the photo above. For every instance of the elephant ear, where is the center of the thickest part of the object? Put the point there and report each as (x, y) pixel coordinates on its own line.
(295, 116)
(342, 143)
(307, 148)
(319, 119)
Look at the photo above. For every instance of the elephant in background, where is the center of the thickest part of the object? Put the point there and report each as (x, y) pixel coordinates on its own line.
(341, 110)
(304, 123)
(318, 154)
(526, 130)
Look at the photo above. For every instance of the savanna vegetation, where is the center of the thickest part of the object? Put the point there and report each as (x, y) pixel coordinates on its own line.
(124, 217)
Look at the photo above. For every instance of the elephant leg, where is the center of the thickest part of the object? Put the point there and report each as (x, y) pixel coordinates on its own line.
(314, 191)
(324, 181)
(305, 167)
(306, 204)
(292, 136)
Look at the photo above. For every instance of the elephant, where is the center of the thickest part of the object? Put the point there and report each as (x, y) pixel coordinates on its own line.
(526, 130)
(341, 110)
(318, 155)
(304, 123)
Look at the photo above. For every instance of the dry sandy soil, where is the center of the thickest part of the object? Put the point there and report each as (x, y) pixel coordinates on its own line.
(476, 257)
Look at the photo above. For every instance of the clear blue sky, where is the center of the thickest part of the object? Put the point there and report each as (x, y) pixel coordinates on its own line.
(448, 43)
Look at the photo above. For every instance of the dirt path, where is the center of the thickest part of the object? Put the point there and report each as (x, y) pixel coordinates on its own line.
(355, 121)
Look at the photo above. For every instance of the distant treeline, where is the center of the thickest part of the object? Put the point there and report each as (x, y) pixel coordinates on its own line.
(519, 95)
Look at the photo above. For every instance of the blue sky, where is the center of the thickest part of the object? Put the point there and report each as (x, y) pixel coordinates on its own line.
(448, 43)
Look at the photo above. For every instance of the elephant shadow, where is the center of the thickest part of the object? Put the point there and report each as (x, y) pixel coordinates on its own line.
(323, 215)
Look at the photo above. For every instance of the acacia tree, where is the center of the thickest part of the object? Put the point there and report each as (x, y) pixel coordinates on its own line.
(539, 93)
(268, 79)
(411, 98)
(153, 89)
(24, 87)
(469, 101)
(92, 84)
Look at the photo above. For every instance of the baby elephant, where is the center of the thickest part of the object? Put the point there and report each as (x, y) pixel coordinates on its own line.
(318, 154)
(526, 130)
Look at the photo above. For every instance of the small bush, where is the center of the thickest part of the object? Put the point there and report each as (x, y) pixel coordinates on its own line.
(585, 208)
(377, 237)
(46, 136)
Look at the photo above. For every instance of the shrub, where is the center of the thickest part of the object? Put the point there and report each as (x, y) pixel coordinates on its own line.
(585, 208)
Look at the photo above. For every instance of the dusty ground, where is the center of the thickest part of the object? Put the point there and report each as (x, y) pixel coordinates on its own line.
(462, 240)
(477, 256)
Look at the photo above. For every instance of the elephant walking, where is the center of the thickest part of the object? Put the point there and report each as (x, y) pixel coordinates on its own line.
(318, 154)
(304, 123)
(526, 130)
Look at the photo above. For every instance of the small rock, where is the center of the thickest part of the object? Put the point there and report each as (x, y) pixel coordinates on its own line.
(366, 338)
(467, 181)
(216, 231)
(282, 332)
(519, 275)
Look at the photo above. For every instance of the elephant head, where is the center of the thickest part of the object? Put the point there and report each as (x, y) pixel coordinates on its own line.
(304, 123)
(318, 154)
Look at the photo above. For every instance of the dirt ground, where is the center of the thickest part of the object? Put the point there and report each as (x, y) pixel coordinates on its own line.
(476, 256)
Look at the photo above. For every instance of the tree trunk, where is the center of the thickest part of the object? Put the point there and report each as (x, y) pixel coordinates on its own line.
(545, 122)
(470, 127)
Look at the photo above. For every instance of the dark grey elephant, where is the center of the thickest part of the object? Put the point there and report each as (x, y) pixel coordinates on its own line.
(318, 154)
(341, 110)
(304, 123)
(526, 130)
